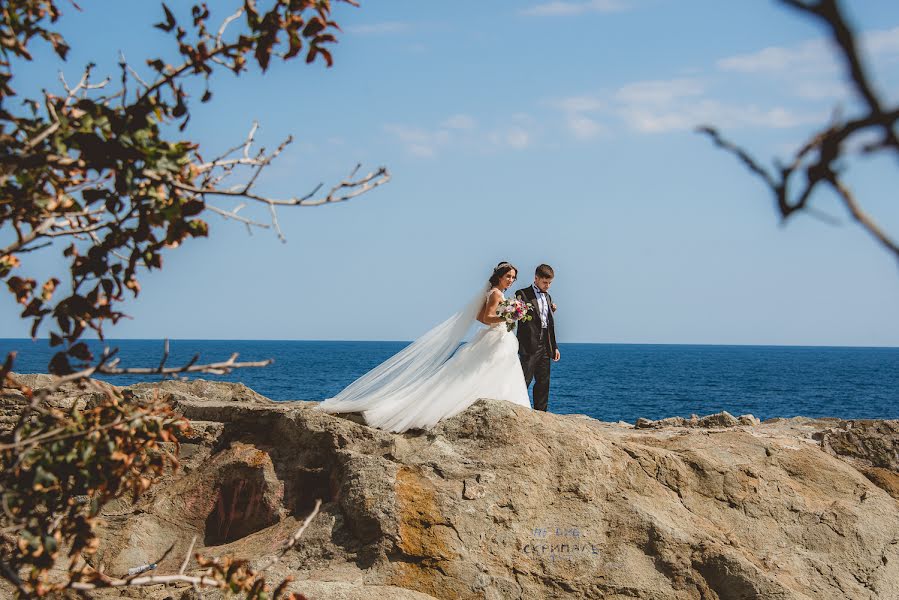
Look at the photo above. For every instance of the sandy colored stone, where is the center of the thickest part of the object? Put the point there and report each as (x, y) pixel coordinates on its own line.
(504, 502)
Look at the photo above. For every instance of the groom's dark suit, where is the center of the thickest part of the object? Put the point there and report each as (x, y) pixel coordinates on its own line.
(536, 346)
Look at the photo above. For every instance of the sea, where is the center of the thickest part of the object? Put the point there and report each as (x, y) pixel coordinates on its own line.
(610, 382)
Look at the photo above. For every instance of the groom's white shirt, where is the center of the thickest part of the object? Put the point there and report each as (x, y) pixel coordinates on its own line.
(541, 303)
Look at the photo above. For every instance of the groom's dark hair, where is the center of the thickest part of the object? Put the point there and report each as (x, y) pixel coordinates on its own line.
(545, 271)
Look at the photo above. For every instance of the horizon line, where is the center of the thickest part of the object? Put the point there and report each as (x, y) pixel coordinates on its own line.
(720, 344)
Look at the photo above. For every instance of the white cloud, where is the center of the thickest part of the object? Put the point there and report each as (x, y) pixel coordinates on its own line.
(809, 56)
(516, 138)
(578, 103)
(385, 28)
(461, 129)
(583, 127)
(660, 92)
(419, 142)
(464, 122)
(579, 124)
(812, 55)
(648, 119)
(564, 9)
(660, 106)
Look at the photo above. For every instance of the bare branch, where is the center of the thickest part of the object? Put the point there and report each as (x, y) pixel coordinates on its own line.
(83, 85)
(225, 23)
(219, 368)
(134, 73)
(233, 215)
(33, 235)
(817, 162)
(203, 580)
(187, 556)
(751, 163)
(165, 354)
(862, 217)
(294, 539)
(369, 182)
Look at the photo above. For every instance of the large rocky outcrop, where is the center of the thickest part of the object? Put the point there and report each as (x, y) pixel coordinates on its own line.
(504, 502)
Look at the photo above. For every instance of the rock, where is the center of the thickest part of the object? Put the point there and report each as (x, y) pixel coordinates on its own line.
(873, 442)
(873, 446)
(885, 479)
(504, 502)
(748, 420)
(722, 419)
(718, 420)
(473, 490)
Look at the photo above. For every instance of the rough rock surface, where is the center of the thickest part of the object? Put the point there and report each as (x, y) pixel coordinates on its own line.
(504, 502)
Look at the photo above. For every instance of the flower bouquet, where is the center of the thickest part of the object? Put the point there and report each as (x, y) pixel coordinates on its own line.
(513, 310)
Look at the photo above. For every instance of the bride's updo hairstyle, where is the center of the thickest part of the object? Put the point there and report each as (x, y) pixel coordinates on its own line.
(500, 270)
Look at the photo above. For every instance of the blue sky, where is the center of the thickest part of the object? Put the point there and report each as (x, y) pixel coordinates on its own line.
(557, 132)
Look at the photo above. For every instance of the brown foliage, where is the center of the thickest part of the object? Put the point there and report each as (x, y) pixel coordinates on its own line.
(98, 168)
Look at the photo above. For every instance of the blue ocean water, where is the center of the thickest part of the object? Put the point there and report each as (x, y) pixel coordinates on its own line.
(610, 382)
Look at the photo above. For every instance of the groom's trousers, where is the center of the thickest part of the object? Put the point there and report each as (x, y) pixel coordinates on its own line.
(536, 368)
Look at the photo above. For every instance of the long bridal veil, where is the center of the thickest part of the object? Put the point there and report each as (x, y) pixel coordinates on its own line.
(387, 395)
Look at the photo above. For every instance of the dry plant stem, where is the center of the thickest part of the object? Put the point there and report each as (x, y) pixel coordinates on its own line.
(106, 366)
(187, 556)
(219, 368)
(862, 217)
(203, 580)
(372, 180)
(294, 539)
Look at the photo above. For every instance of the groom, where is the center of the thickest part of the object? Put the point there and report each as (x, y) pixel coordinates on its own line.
(537, 337)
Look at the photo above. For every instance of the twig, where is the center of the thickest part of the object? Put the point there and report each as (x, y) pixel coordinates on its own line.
(203, 580)
(165, 353)
(369, 182)
(293, 539)
(187, 556)
(233, 215)
(862, 217)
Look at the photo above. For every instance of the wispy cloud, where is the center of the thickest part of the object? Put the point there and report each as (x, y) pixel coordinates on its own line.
(418, 142)
(813, 55)
(578, 103)
(577, 111)
(462, 129)
(464, 122)
(659, 92)
(564, 9)
(583, 127)
(678, 104)
(661, 106)
(515, 137)
(661, 120)
(384, 28)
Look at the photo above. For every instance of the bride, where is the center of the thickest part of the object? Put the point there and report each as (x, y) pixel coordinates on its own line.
(434, 378)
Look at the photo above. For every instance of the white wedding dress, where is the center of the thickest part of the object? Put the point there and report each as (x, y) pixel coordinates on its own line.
(434, 378)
